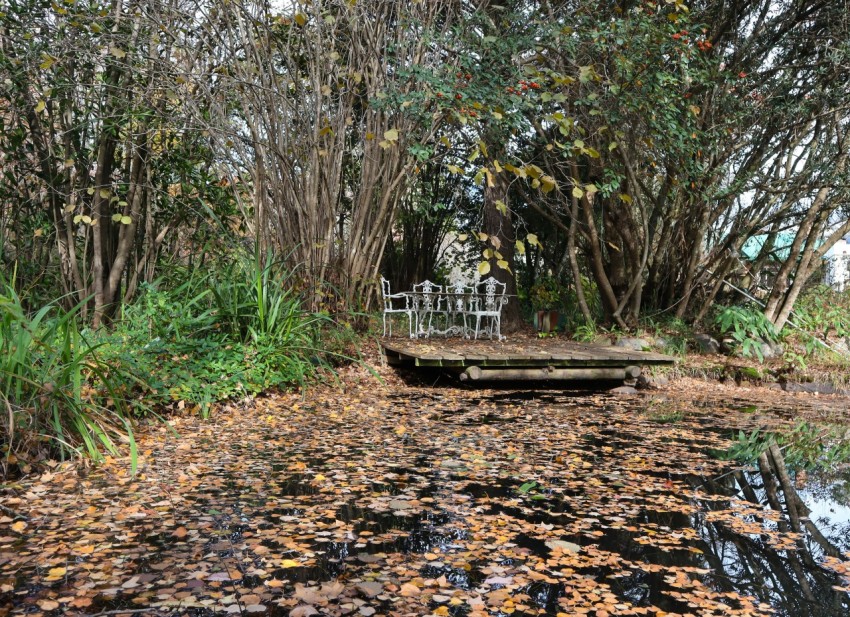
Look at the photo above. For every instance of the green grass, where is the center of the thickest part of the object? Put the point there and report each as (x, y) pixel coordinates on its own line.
(60, 398)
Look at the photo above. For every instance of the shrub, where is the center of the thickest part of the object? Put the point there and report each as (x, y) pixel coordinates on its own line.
(749, 327)
(57, 393)
(237, 329)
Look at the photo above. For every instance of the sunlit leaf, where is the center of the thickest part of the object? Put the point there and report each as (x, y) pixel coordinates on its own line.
(483, 268)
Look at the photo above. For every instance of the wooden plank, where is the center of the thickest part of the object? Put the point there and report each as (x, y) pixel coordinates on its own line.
(522, 353)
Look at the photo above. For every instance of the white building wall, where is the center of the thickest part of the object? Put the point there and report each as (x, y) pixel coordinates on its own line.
(838, 265)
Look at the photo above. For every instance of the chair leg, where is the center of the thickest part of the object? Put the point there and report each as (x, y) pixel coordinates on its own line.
(385, 325)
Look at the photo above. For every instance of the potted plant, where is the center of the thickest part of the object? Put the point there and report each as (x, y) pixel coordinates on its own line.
(547, 297)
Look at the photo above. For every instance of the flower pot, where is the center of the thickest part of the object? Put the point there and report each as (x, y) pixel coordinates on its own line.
(547, 321)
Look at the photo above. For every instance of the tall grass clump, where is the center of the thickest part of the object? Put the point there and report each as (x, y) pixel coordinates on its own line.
(57, 397)
(236, 328)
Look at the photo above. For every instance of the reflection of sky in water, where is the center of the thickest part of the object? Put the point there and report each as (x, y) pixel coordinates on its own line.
(828, 499)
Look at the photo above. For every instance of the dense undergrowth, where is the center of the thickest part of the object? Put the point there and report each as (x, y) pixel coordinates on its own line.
(230, 331)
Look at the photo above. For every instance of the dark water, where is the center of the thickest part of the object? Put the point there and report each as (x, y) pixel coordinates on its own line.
(428, 498)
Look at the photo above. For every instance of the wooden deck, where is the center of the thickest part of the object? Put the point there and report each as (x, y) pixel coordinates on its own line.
(522, 358)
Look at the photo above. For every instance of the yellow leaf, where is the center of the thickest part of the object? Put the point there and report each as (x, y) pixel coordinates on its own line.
(391, 135)
(474, 155)
(497, 115)
(319, 477)
(38, 233)
(503, 265)
(483, 268)
(445, 141)
(454, 169)
(56, 572)
(625, 198)
(590, 189)
(289, 563)
(385, 144)
(19, 526)
(502, 207)
(48, 61)
(483, 147)
(482, 236)
(533, 171)
(39, 107)
(370, 136)
(532, 240)
(126, 220)
(549, 184)
(487, 254)
(326, 90)
(577, 192)
(520, 247)
(117, 52)
(463, 237)
(497, 166)
(300, 19)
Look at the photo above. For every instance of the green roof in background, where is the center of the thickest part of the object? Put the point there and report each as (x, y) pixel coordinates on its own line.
(781, 245)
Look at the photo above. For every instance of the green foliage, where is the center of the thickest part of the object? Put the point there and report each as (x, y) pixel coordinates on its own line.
(547, 293)
(806, 446)
(585, 333)
(239, 329)
(749, 327)
(58, 395)
(822, 311)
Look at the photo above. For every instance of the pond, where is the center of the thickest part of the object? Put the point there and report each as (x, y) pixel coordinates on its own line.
(418, 501)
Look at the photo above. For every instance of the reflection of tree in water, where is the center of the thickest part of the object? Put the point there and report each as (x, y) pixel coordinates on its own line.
(792, 581)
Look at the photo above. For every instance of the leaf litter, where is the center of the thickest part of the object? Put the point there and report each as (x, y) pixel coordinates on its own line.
(415, 501)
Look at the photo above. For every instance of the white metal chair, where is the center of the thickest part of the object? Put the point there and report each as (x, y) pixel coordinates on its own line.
(392, 306)
(425, 302)
(459, 303)
(490, 298)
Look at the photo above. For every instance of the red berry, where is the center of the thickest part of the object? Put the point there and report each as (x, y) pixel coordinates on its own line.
(468, 76)
(742, 74)
(458, 97)
(439, 95)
